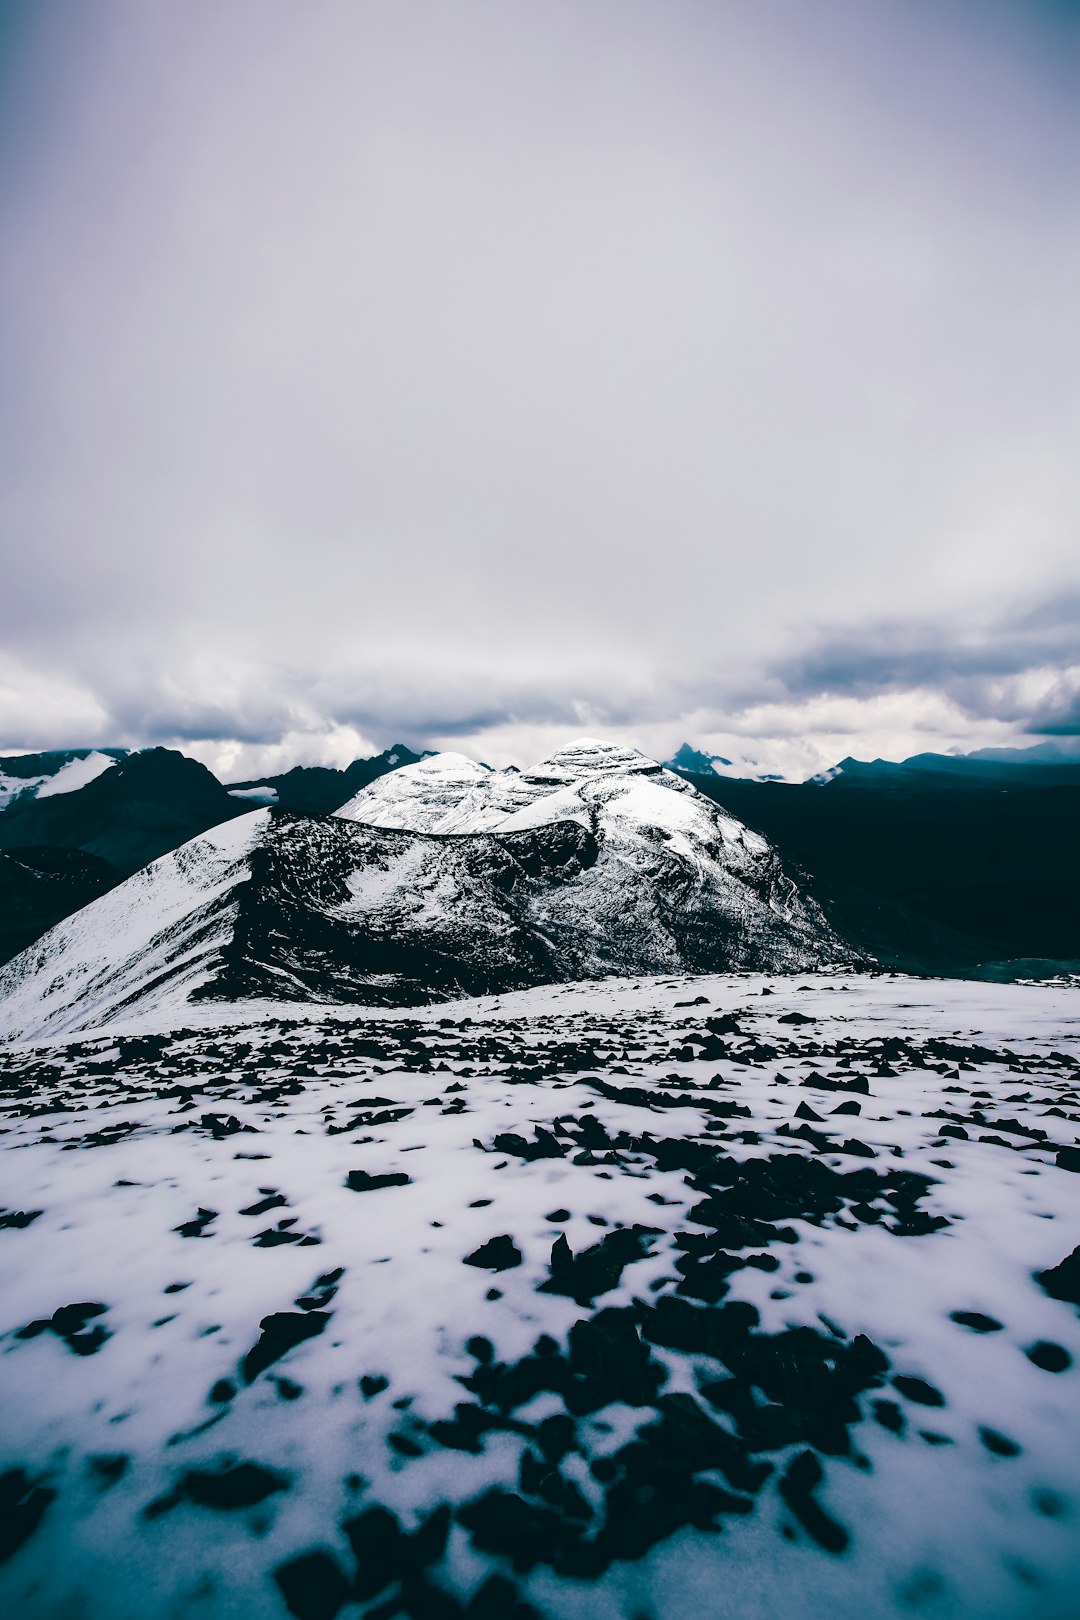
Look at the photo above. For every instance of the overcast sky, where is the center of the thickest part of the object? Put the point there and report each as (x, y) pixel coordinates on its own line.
(479, 374)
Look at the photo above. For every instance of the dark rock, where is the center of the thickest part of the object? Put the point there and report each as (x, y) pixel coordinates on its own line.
(196, 1228)
(999, 1444)
(889, 1416)
(498, 1254)
(70, 1324)
(23, 1504)
(361, 1181)
(231, 1485)
(1063, 1281)
(280, 1332)
(797, 1486)
(598, 1269)
(976, 1321)
(1050, 1357)
(107, 1469)
(312, 1586)
(918, 1390)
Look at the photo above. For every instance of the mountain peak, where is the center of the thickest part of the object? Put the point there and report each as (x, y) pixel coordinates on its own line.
(587, 756)
(695, 760)
(447, 763)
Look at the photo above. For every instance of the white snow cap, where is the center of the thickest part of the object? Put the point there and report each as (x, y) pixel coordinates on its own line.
(450, 793)
(442, 793)
(585, 757)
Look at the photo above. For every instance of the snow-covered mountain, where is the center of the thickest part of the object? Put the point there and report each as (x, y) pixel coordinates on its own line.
(596, 861)
(450, 793)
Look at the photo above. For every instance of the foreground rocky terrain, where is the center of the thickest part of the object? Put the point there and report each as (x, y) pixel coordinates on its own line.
(646, 1298)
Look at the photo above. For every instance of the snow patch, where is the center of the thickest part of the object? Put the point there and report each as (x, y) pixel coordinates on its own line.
(77, 773)
(262, 794)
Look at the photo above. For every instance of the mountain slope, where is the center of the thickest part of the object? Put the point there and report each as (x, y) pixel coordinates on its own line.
(608, 866)
(156, 935)
(122, 810)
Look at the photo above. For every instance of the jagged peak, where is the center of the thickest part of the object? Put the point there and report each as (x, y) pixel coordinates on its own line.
(689, 758)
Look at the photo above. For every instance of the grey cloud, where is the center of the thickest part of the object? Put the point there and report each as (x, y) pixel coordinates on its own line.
(1059, 715)
(438, 370)
(152, 717)
(961, 660)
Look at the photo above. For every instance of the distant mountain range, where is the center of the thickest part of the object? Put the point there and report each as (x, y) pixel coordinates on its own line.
(1045, 763)
(938, 863)
(695, 760)
(1006, 767)
(597, 861)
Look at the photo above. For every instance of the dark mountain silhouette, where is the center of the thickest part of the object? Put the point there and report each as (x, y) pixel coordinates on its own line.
(142, 807)
(960, 867)
(40, 886)
(1007, 768)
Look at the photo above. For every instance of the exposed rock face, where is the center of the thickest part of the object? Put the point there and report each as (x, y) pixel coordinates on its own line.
(443, 879)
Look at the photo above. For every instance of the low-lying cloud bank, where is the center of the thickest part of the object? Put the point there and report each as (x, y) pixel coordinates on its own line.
(886, 688)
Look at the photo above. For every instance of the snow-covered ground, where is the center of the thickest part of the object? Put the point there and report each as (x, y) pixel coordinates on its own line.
(661, 1298)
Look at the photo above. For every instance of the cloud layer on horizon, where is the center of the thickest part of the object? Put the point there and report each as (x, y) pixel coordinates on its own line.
(474, 375)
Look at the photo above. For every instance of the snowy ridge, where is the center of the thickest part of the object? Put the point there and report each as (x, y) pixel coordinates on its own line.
(263, 794)
(659, 837)
(155, 932)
